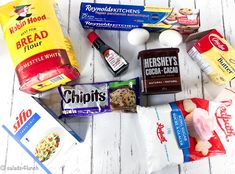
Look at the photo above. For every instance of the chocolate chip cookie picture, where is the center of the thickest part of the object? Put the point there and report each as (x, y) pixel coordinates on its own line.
(186, 11)
(171, 19)
(122, 99)
(172, 16)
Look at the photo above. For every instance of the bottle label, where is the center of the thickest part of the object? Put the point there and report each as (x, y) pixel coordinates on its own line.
(114, 60)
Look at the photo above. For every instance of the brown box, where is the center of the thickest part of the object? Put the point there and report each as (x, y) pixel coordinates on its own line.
(160, 71)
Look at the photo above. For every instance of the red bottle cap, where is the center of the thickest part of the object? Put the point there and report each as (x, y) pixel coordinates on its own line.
(92, 36)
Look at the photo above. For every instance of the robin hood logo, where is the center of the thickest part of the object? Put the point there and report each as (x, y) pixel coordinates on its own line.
(160, 133)
(223, 119)
(22, 12)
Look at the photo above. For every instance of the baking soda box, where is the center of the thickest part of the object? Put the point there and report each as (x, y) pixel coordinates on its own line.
(38, 132)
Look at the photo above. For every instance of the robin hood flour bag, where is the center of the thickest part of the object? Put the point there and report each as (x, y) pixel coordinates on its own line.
(41, 52)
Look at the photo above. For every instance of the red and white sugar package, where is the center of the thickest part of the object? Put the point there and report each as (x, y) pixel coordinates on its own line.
(187, 130)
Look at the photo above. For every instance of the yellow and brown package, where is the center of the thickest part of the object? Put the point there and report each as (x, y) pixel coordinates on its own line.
(214, 55)
(42, 54)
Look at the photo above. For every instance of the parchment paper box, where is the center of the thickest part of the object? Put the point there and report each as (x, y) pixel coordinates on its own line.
(36, 130)
(127, 17)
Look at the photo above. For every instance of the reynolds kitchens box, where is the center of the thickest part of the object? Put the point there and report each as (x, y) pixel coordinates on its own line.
(39, 133)
(127, 17)
(214, 55)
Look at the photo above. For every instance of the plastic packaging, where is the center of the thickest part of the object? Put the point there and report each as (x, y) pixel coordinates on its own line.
(187, 130)
(88, 99)
(43, 58)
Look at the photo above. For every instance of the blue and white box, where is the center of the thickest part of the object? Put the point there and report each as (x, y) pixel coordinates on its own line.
(38, 132)
(127, 17)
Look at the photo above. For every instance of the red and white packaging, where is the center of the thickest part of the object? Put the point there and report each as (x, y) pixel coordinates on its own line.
(187, 130)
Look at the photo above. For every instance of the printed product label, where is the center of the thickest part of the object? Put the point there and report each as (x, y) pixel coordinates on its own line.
(161, 73)
(188, 20)
(39, 49)
(216, 42)
(127, 17)
(197, 57)
(39, 134)
(187, 130)
(180, 129)
(215, 56)
(225, 122)
(166, 141)
(89, 99)
(51, 83)
(114, 60)
(29, 30)
(161, 26)
(85, 96)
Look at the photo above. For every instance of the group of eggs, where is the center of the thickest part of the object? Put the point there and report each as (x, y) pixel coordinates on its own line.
(170, 38)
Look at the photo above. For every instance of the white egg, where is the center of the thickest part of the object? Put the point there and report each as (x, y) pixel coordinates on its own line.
(170, 38)
(138, 36)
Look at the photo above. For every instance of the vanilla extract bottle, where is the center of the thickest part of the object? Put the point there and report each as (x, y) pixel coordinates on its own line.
(113, 60)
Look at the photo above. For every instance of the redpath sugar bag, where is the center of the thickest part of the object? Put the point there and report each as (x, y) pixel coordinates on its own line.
(187, 130)
(41, 52)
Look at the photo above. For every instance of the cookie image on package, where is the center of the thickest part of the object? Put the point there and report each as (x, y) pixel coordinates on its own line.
(171, 19)
(122, 99)
(186, 11)
(172, 16)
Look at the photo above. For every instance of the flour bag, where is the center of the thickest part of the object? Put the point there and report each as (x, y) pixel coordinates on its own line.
(40, 49)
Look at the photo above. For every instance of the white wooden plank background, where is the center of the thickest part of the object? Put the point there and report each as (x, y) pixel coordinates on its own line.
(112, 141)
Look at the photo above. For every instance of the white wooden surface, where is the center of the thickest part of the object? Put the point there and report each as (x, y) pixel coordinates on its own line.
(113, 144)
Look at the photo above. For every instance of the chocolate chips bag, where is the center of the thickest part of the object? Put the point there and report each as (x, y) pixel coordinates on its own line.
(40, 49)
(187, 130)
(88, 99)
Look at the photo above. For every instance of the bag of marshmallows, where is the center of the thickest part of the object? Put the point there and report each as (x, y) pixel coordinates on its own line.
(187, 130)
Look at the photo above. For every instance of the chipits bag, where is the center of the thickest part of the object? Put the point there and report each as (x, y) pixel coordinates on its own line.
(187, 130)
(41, 52)
(87, 99)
